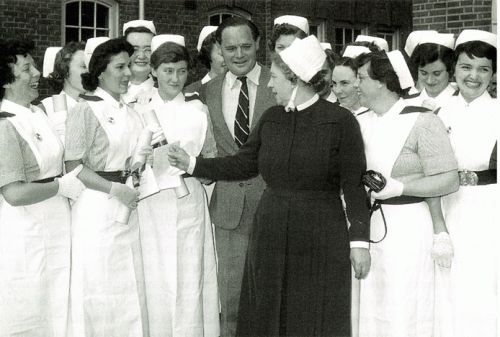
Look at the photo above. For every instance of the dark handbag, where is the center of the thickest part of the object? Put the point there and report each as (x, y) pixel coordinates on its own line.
(375, 182)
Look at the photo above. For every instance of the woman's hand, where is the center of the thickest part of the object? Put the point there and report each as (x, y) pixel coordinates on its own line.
(442, 250)
(69, 185)
(361, 261)
(126, 195)
(178, 157)
(393, 188)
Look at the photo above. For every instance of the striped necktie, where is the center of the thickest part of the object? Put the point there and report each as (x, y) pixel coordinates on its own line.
(241, 122)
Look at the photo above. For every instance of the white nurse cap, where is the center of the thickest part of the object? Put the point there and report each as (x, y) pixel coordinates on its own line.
(139, 23)
(415, 38)
(468, 35)
(305, 57)
(158, 40)
(91, 45)
(49, 60)
(355, 51)
(401, 68)
(207, 30)
(378, 41)
(326, 45)
(294, 20)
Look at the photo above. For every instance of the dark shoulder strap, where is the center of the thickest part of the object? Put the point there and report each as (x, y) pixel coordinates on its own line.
(363, 112)
(90, 98)
(4, 114)
(437, 111)
(408, 96)
(493, 158)
(411, 109)
(191, 96)
(456, 93)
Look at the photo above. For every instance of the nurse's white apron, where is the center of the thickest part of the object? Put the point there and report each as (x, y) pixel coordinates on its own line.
(177, 239)
(58, 119)
(471, 303)
(396, 298)
(35, 244)
(107, 284)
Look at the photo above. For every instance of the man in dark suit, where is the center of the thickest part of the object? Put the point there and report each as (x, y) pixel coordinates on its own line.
(233, 203)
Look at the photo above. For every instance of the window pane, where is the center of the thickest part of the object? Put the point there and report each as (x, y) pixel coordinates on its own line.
(72, 35)
(87, 14)
(348, 36)
(356, 33)
(214, 20)
(87, 34)
(72, 14)
(102, 16)
(313, 30)
(339, 36)
(225, 16)
(101, 32)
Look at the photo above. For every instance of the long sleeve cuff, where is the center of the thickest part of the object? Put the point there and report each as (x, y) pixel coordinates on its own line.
(192, 164)
(360, 244)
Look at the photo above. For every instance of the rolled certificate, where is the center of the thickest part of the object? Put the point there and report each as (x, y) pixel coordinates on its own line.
(152, 121)
(144, 140)
(123, 212)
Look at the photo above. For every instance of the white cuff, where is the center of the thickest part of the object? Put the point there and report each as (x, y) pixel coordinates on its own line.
(360, 244)
(192, 164)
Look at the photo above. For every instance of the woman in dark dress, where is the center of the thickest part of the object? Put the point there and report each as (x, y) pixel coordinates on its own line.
(298, 278)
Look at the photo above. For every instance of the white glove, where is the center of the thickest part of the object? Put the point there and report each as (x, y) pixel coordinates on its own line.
(69, 185)
(393, 188)
(126, 195)
(442, 250)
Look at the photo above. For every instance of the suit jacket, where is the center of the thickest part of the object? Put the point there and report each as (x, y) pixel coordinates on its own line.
(234, 203)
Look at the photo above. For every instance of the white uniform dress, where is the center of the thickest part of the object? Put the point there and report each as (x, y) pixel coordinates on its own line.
(35, 243)
(176, 234)
(107, 281)
(433, 103)
(397, 296)
(135, 90)
(58, 119)
(472, 219)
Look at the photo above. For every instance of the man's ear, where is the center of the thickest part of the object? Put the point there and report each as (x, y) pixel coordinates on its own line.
(257, 42)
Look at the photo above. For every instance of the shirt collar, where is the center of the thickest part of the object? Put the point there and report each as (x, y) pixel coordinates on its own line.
(308, 103)
(485, 97)
(395, 109)
(331, 97)
(206, 78)
(148, 84)
(157, 100)
(447, 92)
(253, 76)
(108, 98)
(14, 108)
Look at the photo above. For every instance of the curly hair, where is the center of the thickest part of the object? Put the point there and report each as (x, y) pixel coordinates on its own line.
(9, 49)
(100, 59)
(381, 70)
(284, 29)
(62, 63)
(318, 82)
(478, 49)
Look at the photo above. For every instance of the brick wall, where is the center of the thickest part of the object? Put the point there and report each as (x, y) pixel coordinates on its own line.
(452, 15)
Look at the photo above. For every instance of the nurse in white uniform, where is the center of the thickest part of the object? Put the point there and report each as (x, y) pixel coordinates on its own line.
(176, 232)
(35, 244)
(472, 121)
(139, 34)
(63, 70)
(409, 146)
(432, 54)
(107, 282)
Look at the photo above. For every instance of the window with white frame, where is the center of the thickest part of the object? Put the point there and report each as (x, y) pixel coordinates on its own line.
(345, 35)
(85, 19)
(317, 28)
(217, 15)
(391, 36)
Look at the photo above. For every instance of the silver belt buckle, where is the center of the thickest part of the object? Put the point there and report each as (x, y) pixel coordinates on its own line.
(468, 178)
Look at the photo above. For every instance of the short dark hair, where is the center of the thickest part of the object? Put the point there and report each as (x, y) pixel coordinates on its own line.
(347, 62)
(331, 58)
(317, 82)
(100, 59)
(236, 21)
(478, 49)
(284, 29)
(137, 30)
(9, 49)
(170, 52)
(206, 49)
(61, 64)
(381, 70)
(426, 53)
